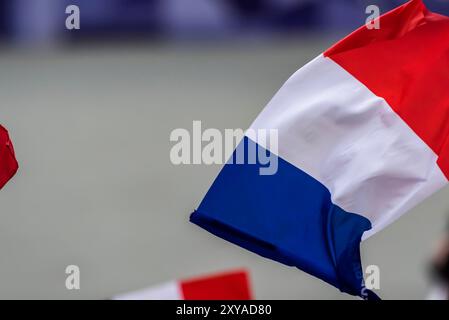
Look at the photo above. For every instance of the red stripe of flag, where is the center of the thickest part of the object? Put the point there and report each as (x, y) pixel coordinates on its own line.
(406, 62)
(226, 286)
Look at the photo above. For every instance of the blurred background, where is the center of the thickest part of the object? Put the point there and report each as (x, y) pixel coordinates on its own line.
(90, 112)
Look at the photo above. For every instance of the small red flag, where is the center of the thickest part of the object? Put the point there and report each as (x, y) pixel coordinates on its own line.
(8, 162)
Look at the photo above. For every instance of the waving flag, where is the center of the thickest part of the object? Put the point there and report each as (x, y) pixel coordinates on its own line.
(8, 162)
(232, 285)
(363, 137)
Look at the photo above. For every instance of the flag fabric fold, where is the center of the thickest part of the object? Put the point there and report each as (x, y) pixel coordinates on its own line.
(363, 137)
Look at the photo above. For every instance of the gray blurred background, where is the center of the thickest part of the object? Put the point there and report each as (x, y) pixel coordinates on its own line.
(90, 112)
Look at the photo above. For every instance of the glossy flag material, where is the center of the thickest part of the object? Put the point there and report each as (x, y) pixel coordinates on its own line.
(363, 137)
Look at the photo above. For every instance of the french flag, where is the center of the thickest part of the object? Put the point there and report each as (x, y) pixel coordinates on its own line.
(8, 162)
(230, 285)
(363, 137)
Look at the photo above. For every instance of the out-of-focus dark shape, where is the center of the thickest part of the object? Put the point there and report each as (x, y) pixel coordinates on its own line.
(440, 268)
(43, 21)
